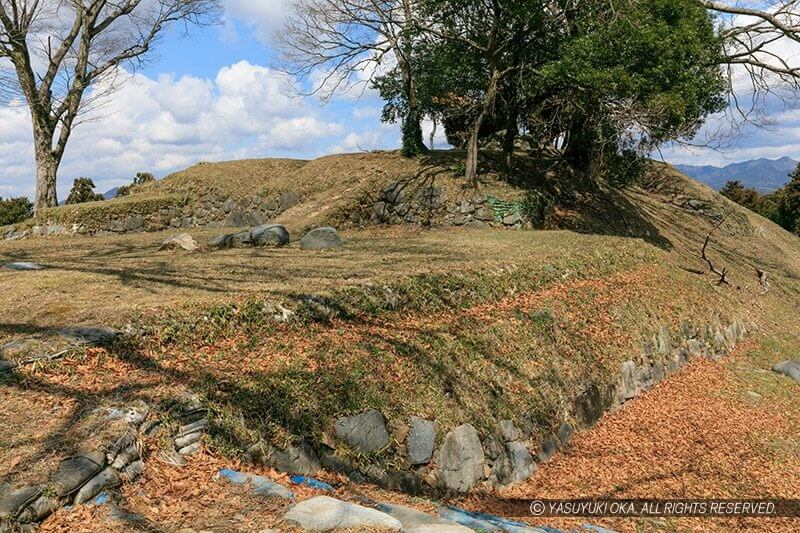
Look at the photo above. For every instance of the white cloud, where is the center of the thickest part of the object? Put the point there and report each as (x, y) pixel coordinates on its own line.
(164, 124)
(262, 17)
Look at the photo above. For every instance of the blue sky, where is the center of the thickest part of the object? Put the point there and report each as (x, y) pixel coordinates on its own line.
(213, 96)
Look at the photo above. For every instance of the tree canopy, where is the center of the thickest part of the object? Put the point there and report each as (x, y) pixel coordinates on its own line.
(83, 191)
(599, 81)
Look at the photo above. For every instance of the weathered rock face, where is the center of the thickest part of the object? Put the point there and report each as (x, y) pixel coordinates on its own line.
(629, 380)
(297, 459)
(184, 241)
(460, 459)
(421, 440)
(13, 501)
(270, 235)
(589, 406)
(199, 208)
(414, 520)
(74, 472)
(789, 368)
(326, 238)
(323, 513)
(365, 432)
(260, 485)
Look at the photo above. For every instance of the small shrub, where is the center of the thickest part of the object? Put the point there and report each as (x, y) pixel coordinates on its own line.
(14, 210)
(460, 169)
(83, 191)
(140, 179)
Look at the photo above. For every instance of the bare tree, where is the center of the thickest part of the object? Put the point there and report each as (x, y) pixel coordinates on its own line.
(341, 44)
(52, 51)
(755, 37)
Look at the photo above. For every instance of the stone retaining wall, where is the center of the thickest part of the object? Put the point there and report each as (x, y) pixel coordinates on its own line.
(401, 203)
(408, 455)
(82, 478)
(209, 209)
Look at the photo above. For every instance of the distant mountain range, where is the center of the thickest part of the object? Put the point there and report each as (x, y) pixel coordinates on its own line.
(110, 195)
(764, 175)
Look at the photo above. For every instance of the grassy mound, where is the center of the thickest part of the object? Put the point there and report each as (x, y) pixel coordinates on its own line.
(457, 324)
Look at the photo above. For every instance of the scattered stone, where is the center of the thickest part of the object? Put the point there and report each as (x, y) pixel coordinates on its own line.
(261, 485)
(548, 449)
(288, 199)
(509, 431)
(106, 479)
(198, 425)
(171, 457)
(522, 465)
(629, 380)
(22, 266)
(221, 241)
(789, 368)
(565, 432)
(298, 459)
(126, 456)
(460, 459)
(87, 335)
(421, 440)
(72, 473)
(325, 238)
(270, 235)
(190, 449)
(188, 439)
(365, 432)
(438, 528)
(511, 220)
(412, 519)
(323, 513)
(183, 241)
(589, 406)
(41, 508)
(132, 415)
(133, 470)
(12, 502)
(242, 238)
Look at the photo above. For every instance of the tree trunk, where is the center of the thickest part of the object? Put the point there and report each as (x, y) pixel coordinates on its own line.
(508, 141)
(413, 143)
(471, 173)
(47, 163)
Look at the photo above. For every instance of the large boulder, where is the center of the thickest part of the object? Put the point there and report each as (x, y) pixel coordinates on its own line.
(326, 238)
(183, 241)
(260, 485)
(421, 440)
(13, 501)
(789, 368)
(324, 513)
(270, 235)
(72, 473)
(296, 459)
(365, 432)
(460, 459)
(414, 520)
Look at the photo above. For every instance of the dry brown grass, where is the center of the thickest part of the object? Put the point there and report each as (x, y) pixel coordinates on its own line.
(619, 278)
(108, 280)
